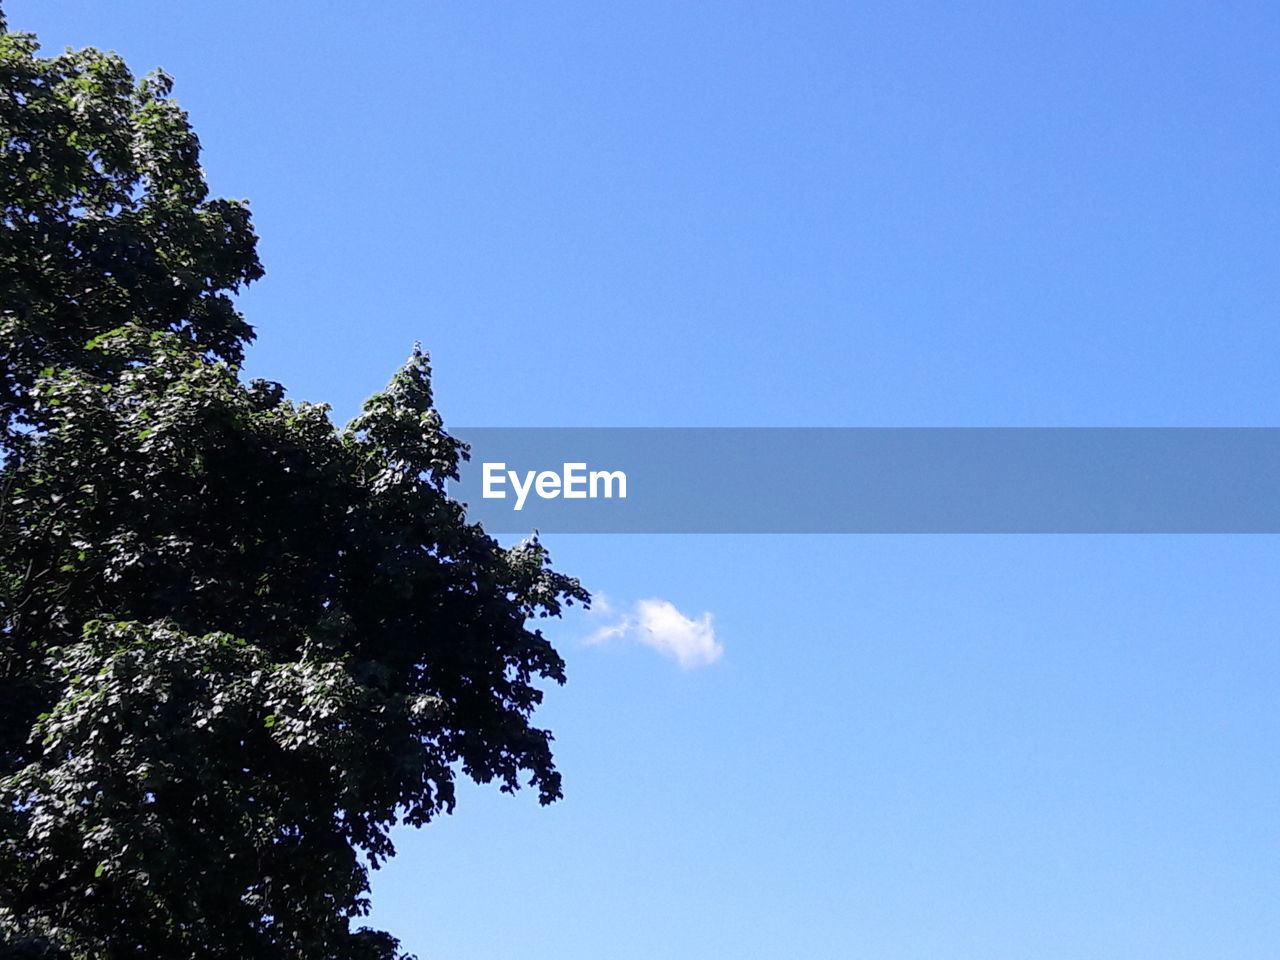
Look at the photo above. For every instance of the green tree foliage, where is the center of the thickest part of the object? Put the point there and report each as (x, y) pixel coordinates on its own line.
(237, 644)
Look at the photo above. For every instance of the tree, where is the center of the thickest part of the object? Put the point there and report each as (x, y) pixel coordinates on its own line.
(237, 644)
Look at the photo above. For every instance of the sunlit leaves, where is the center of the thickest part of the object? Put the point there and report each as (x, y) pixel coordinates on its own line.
(237, 643)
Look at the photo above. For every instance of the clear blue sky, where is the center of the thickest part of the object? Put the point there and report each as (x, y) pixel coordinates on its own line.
(806, 213)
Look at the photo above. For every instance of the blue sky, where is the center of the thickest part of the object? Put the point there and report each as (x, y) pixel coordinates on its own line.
(802, 214)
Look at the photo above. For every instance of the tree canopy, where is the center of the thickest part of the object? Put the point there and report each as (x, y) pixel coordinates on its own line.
(237, 643)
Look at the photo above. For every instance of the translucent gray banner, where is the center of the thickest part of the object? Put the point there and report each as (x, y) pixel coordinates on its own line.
(872, 480)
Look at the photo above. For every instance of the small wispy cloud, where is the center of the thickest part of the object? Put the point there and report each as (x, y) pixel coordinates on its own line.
(660, 625)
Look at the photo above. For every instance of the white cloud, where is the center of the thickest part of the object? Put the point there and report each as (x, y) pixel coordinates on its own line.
(658, 624)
